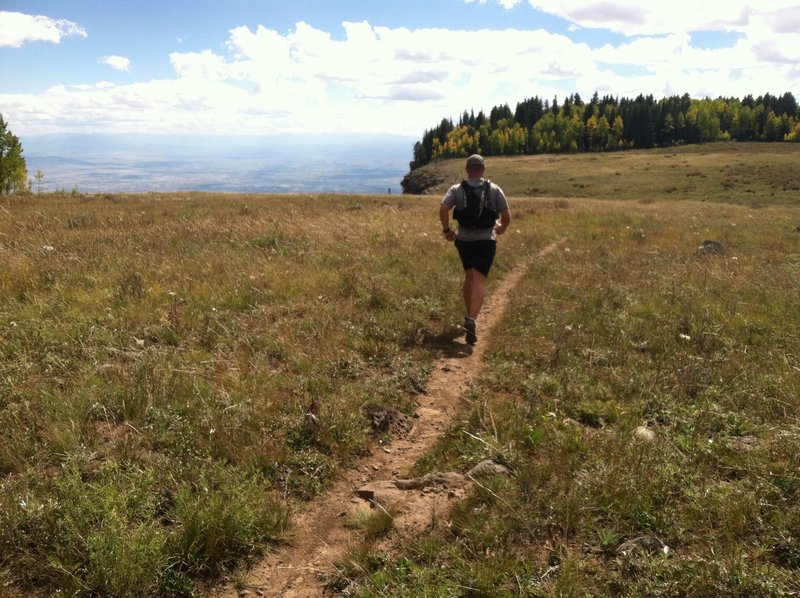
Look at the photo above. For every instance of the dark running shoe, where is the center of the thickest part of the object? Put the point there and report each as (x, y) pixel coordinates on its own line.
(469, 326)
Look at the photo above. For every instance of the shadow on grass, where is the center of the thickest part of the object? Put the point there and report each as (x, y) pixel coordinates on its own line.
(449, 344)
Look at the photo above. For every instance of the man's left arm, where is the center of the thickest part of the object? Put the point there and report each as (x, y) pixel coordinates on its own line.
(505, 220)
(502, 208)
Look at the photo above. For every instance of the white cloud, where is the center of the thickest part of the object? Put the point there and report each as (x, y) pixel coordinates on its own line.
(397, 80)
(783, 20)
(118, 63)
(635, 17)
(17, 29)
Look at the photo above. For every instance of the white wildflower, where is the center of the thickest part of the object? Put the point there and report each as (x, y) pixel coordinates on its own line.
(684, 337)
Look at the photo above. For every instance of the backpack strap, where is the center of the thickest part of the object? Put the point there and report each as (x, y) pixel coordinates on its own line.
(487, 184)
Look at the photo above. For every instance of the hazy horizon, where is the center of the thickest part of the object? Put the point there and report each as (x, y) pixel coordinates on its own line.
(92, 163)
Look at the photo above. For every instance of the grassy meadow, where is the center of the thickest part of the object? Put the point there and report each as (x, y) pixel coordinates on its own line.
(741, 173)
(628, 326)
(179, 372)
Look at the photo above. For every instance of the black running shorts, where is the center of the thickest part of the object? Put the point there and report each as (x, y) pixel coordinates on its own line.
(477, 254)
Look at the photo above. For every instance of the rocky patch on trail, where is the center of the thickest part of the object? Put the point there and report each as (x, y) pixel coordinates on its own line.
(385, 420)
(392, 494)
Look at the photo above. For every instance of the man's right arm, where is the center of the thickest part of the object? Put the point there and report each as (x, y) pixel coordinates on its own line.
(444, 218)
(444, 215)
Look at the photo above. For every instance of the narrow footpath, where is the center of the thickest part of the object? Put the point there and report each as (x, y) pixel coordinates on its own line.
(320, 537)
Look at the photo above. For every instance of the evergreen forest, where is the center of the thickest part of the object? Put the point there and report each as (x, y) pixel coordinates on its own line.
(609, 123)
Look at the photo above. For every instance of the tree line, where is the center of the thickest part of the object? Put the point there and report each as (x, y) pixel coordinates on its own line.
(13, 172)
(609, 123)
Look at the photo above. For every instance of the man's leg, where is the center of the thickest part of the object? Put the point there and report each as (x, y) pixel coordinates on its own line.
(474, 292)
(467, 290)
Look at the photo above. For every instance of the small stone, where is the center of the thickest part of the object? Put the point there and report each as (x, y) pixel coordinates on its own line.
(487, 469)
(383, 493)
(711, 248)
(743, 443)
(644, 544)
(644, 433)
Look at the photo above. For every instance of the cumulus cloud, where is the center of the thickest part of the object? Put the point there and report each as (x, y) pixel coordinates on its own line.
(118, 63)
(783, 20)
(633, 17)
(17, 29)
(377, 79)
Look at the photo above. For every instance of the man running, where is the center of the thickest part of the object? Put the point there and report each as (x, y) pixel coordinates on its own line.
(476, 205)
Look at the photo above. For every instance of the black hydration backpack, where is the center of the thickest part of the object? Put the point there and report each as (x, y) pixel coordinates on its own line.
(476, 214)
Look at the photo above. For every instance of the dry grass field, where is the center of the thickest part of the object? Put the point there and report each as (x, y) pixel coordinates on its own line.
(646, 396)
(179, 373)
(741, 173)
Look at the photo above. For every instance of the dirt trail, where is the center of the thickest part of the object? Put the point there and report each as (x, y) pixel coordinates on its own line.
(320, 535)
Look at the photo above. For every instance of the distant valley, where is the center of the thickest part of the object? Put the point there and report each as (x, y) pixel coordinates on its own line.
(281, 164)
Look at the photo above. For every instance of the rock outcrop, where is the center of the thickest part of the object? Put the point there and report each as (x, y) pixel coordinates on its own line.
(421, 181)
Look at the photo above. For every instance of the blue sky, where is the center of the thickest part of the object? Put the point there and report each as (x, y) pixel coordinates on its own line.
(314, 66)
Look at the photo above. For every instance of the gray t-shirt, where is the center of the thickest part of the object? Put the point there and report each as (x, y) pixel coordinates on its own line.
(454, 198)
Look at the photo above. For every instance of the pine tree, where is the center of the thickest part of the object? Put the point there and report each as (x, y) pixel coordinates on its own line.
(13, 173)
